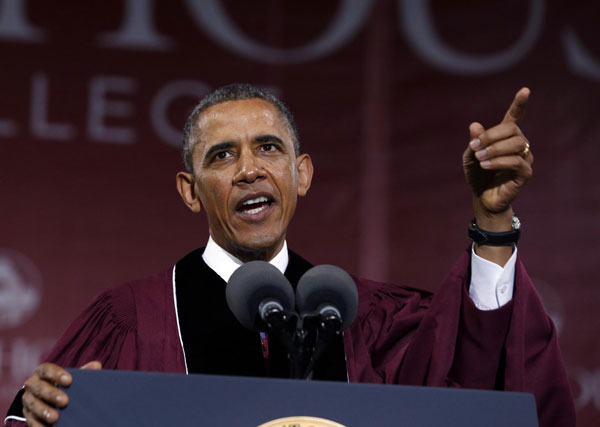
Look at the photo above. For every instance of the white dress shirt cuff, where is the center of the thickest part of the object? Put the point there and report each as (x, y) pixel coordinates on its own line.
(491, 286)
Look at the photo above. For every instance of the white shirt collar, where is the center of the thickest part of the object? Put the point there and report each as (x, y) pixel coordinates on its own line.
(224, 264)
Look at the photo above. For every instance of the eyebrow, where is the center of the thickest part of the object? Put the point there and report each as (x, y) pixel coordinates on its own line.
(269, 138)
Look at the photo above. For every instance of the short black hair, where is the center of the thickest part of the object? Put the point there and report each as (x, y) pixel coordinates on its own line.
(232, 92)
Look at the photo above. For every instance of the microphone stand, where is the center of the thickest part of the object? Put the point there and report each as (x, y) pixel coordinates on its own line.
(303, 356)
(278, 323)
(299, 354)
(328, 326)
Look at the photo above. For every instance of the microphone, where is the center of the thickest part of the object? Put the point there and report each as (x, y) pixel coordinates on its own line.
(325, 294)
(331, 293)
(257, 291)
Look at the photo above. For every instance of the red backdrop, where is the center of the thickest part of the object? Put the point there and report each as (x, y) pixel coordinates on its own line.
(94, 94)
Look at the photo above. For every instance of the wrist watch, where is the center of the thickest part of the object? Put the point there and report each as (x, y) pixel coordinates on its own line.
(491, 238)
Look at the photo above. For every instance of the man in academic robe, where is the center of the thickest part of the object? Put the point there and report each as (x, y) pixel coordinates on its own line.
(245, 170)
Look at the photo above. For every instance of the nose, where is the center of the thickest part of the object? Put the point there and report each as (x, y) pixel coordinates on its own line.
(250, 168)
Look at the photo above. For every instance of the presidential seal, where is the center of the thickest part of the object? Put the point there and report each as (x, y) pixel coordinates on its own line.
(301, 422)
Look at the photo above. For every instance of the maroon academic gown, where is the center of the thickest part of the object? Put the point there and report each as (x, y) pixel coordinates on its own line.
(400, 336)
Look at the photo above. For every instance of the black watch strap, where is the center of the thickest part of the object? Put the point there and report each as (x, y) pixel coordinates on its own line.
(491, 238)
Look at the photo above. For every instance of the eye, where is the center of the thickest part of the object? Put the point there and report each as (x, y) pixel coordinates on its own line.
(222, 155)
(268, 147)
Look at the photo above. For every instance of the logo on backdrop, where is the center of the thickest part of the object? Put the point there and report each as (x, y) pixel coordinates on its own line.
(20, 288)
(20, 297)
(586, 386)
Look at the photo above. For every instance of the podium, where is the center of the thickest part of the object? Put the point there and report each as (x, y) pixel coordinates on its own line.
(122, 398)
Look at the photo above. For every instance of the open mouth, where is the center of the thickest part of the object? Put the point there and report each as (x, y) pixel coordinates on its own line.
(254, 205)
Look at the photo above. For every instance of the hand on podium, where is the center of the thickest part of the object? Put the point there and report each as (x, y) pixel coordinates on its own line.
(42, 394)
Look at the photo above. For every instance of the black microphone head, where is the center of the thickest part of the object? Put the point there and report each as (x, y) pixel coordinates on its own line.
(250, 285)
(328, 285)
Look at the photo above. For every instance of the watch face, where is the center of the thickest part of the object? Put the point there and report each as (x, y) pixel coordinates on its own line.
(516, 223)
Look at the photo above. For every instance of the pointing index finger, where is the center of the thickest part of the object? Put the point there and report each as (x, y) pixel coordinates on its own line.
(516, 111)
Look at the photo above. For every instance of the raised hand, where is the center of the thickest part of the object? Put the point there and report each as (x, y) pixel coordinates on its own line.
(497, 162)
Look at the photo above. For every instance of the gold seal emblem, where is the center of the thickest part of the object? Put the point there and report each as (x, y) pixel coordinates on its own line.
(301, 422)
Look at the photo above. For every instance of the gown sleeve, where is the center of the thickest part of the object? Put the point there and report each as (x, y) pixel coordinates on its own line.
(405, 336)
(104, 331)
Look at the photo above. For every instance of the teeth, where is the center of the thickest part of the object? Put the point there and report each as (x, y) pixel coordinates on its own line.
(261, 199)
(255, 210)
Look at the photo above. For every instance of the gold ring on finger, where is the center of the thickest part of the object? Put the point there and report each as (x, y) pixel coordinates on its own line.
(525, 152)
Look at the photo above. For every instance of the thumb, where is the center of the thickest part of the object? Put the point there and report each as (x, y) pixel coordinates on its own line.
(475, 129)
(93, 365)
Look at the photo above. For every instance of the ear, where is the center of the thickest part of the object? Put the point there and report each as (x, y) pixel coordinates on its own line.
(305, 173)
(187, 191)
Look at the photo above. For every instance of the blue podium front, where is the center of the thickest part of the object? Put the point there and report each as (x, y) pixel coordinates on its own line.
(121, 398)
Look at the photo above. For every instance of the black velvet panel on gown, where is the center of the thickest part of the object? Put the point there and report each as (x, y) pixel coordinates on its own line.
(216, 343)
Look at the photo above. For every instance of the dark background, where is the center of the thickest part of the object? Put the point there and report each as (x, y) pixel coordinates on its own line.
(89, 145)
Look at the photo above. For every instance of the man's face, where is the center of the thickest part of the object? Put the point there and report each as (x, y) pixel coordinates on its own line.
(246, 177)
